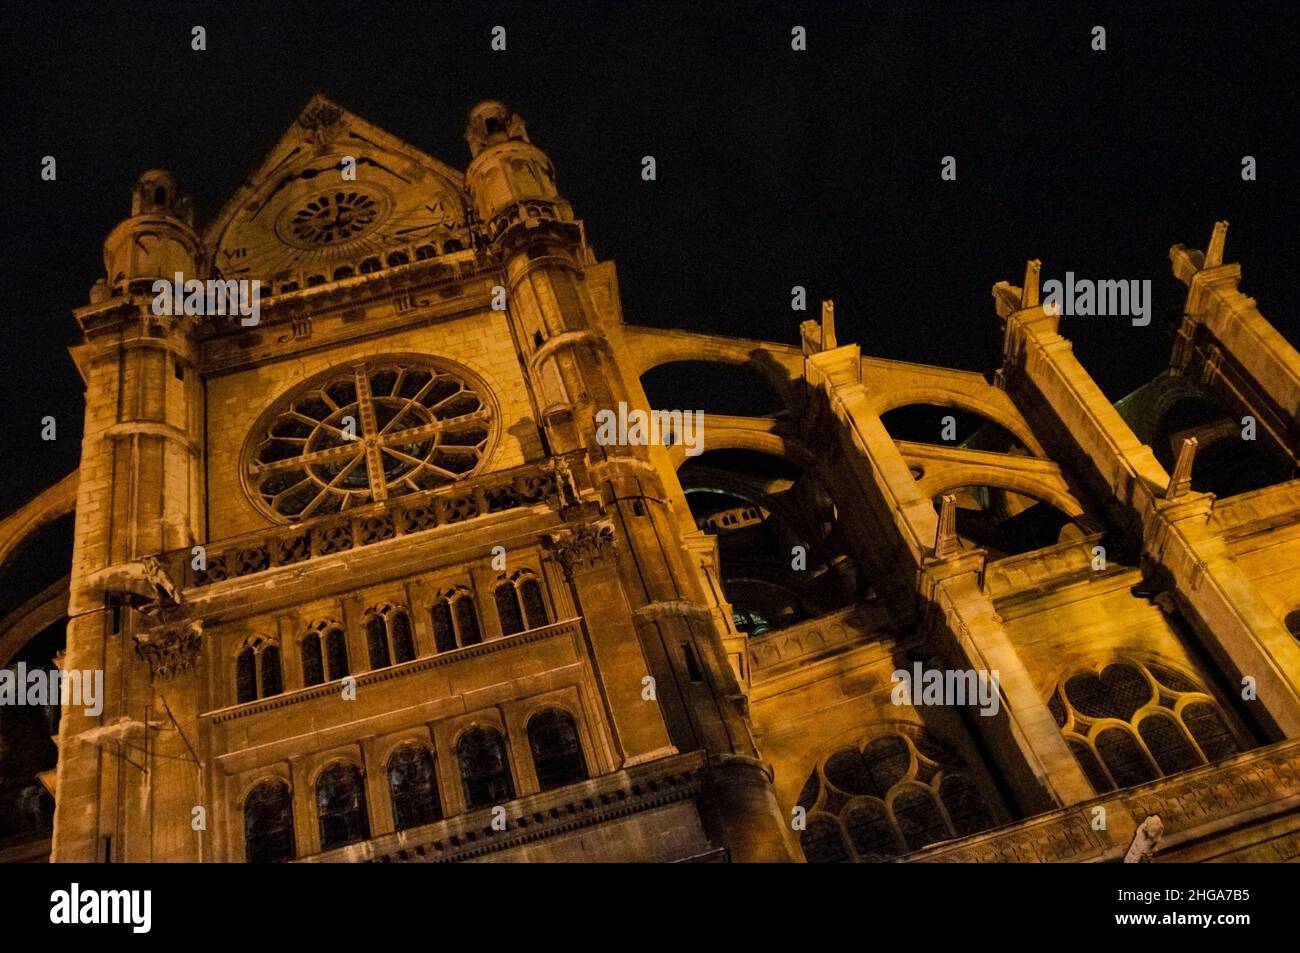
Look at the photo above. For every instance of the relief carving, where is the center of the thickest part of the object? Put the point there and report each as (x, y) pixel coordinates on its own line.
(170, 650)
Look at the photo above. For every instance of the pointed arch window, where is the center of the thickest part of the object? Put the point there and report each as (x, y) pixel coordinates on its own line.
(257, 670)
(341, 806)
(891, 794)
(268, 824)
(484, 768)
(1129, 723)
(324, 652)
(520, 603)
(556, 749)
(413, 786)
(455, 620)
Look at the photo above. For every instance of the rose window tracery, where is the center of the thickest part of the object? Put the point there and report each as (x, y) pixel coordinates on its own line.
(376, 430)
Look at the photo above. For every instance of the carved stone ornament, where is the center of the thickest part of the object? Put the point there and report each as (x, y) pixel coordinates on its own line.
(583, 545)
(170, 649)
(1145, 841)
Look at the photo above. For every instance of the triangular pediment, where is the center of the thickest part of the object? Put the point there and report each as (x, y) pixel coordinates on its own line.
(336, 193)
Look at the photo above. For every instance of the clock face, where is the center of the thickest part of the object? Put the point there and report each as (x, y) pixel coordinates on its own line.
(307, 219)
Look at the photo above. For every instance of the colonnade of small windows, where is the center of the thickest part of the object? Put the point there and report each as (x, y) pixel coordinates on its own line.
(390, 635)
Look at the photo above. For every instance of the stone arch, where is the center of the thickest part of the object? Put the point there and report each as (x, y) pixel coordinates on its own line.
(29, 619)
(946, 479)
(731, 433)
(35, 555)
(1008, 514)
(716, 387)
(651, 348)
(58, 500)
(996, 412)
(777, 529)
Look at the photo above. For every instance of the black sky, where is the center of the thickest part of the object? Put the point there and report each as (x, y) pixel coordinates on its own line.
(775, 167)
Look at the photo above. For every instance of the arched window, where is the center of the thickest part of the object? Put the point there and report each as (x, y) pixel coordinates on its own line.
(520, 603)
(1131, 723)
(257, 671)
(377, 642)
(557, 752)
(484, 768)
(272, 682)
(530, 595)
(388, 636)
(336, 652)
(324, 652)
(894, 794)
(413, 785)
(399, 631)
(455, 620)
(313, 664)
(245, 676)
(507, 600)
(268, 823)
(341, 806)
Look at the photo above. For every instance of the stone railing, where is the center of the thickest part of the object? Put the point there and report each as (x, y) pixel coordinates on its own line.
(537, 817)
(1048, 566)
(824, 632)
(1258, 509)
(407, 515)
(1248, 786)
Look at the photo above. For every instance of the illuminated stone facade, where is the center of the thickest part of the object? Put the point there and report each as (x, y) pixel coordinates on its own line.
(365, 585)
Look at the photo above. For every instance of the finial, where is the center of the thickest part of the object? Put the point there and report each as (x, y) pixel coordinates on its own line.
(1029, 290)
(828, 324)
(1180, 481)
(1214, 254)
(945, 537)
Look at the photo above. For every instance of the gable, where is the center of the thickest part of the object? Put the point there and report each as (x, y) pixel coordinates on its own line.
(302, 218)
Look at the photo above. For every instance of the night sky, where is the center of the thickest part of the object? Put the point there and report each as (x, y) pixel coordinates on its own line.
(775, 168)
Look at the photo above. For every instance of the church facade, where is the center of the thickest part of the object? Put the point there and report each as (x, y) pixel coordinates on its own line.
(366, 580)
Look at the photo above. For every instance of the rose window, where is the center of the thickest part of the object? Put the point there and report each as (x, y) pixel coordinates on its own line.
(333, 217)
(381, 429)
